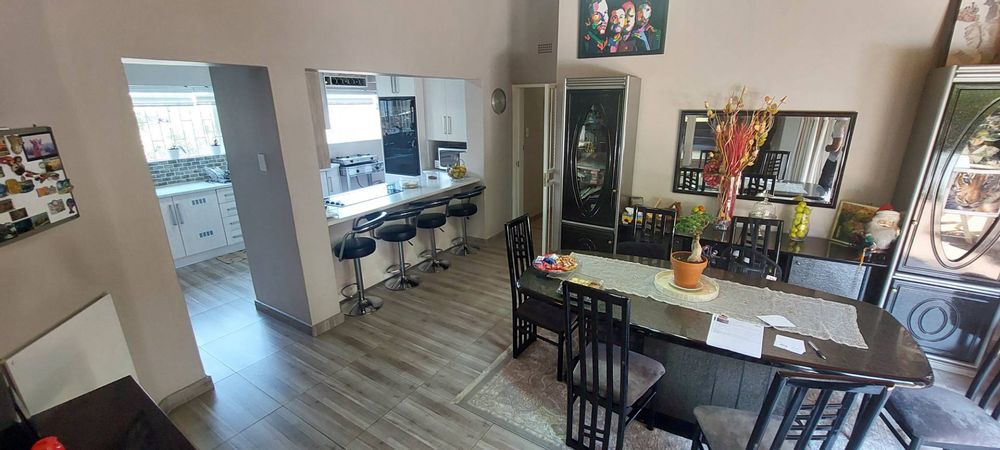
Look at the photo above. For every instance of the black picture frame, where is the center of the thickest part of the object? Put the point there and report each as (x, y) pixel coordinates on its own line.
(597, 15)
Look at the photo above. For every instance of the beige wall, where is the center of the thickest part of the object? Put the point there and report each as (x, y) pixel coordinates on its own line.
(63, 69)
(533, 22)
(854, 55)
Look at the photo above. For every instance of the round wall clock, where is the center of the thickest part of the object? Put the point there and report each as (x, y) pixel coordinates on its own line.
(499, 101)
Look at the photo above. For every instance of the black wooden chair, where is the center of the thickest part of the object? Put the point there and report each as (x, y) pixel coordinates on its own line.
(690, 180)
(652, 233)
(772, 163)
(938, 417)
(609, 385)
(752, 241)
(529, 313)
(732, 429)
(752, 185)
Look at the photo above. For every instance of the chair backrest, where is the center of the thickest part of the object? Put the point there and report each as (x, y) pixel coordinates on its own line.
(987, 372)
(601, 376)
(772, 163)
(467, 195)
(404, 214)
(364, 224)
(752, 240)
(431, 204)
(822, 419)
(690, 180)
(753, 185)
(652, 233)
(520, 253)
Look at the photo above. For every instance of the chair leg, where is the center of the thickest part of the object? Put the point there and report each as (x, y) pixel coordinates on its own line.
(696, 442)
(464, 248)
(366, 304)
(433, 264)
(402, 281)
(560, 364)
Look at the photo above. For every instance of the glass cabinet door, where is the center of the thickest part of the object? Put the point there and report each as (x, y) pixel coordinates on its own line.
(591, 158)
(957, 229)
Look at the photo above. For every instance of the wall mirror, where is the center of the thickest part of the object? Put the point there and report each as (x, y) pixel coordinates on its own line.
(805, 154)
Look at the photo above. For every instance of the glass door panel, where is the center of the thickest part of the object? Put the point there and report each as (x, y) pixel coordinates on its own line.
(591, 159)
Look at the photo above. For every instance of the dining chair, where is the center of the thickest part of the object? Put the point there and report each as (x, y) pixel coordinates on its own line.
(530, 313)
(939, 417)
(800, 422)
(690, 180)
(772, 163)
(752, 240)
(752, 185)
(652, 233)
(610, 385)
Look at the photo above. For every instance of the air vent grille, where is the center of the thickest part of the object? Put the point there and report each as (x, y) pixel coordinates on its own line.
(544, 48)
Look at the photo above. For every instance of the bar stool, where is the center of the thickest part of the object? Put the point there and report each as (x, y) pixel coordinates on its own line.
(355, 248)
(465, 209)
(400, 233)
(432, 221)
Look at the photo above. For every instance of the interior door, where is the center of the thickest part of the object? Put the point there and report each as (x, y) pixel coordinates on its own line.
(200, 222)
(592, 146)
(171, 223)
(956, 231)
(550, 182)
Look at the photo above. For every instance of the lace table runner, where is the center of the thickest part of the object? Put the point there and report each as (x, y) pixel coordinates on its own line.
(813, 317)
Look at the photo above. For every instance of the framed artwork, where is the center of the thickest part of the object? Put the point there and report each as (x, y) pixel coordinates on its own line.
(849, 223)
(621, 28)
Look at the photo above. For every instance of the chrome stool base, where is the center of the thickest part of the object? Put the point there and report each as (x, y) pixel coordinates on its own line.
(434, 265)
(402, 282)
(367, 306)
(464, 249)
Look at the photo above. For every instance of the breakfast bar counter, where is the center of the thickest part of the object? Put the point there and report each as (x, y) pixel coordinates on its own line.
(367, 200)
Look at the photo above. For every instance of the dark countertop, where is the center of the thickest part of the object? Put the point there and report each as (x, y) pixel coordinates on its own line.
(892, 355)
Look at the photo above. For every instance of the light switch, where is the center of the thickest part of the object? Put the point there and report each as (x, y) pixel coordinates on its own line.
(261, 162)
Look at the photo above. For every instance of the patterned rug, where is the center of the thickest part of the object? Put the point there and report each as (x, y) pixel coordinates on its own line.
(234, 257)
(523, 396)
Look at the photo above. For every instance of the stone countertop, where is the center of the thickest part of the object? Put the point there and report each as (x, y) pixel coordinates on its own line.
(336, 215)
(171, 190)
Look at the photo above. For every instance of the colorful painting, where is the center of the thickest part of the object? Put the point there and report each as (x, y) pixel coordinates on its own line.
(849, 223)
(621, 28)
(38, 146)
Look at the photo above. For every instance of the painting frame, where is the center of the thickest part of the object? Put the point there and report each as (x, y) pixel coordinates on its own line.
(848, 226)
(609, 28)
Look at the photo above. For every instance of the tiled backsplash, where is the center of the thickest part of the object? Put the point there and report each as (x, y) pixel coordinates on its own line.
(184, 170)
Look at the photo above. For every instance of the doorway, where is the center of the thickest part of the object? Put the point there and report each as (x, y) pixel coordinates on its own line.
(533, 125)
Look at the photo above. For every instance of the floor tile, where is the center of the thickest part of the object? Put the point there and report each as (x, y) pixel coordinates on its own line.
(220, 321)
(345, 406)
(280, 430)
(246, 346)
(216, 416)
(426, 420)
(281, 376)
(498, 438)
(214, 368)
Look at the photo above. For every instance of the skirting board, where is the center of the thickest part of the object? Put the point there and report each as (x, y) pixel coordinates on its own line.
(186, 394)
(313, 330)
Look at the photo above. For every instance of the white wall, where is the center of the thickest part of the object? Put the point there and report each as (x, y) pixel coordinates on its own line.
(845, 55)
(70, 77)
(534, 22)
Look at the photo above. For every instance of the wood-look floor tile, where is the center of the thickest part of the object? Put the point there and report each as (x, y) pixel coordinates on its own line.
(282, 376)
(246, 346)
(498, 438)
(216, 416)
(453, 378)
(220, 321)
(425, 420)
(280, 430)
(214, 368)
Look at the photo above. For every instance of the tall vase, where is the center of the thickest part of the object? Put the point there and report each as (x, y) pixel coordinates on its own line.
(728, 190)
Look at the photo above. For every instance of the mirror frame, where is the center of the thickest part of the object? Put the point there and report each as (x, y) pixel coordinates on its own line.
(848, 138)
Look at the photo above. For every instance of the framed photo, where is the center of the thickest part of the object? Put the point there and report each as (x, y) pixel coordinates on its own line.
(849, 223)
(621, 28)
(38, 146)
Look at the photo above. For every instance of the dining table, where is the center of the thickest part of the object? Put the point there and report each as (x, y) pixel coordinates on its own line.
(676, 334)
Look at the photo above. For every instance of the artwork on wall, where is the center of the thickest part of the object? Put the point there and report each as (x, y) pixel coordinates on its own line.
(976, 36)
(35, 192)
(621, 28)
(849, 223)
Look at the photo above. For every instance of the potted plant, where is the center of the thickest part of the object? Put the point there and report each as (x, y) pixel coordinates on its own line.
(688, 266)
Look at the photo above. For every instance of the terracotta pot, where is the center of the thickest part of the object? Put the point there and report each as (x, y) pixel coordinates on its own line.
(687, 274)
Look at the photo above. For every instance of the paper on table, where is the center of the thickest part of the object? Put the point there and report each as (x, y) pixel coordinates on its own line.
(775, 320)
(791, 344)
(735, 335)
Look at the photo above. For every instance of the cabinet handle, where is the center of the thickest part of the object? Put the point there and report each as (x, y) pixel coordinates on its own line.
(444, 124)
(173, 215)
(180, 218)
(449, 124)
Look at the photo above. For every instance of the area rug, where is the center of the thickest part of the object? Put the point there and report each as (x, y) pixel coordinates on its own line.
(234, 257)
(523, 396)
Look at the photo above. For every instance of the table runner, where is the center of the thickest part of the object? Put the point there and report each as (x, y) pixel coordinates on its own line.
(813, 317)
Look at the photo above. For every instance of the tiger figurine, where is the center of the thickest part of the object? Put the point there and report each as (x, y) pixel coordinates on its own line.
(977, 192)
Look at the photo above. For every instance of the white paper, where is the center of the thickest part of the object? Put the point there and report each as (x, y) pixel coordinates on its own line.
(735, 335)
(791, 344)
(777, 321)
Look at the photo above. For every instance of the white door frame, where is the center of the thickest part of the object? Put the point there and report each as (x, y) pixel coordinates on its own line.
(517, 149)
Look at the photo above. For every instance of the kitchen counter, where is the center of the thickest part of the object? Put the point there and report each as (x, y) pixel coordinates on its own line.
(188, 188)
(342, 214)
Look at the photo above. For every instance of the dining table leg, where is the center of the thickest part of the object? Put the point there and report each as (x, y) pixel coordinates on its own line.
(868, 412)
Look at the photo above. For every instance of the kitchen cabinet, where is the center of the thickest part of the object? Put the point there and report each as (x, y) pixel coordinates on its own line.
(173, 227)
(200, 222)
(393, 86)
(444, 108)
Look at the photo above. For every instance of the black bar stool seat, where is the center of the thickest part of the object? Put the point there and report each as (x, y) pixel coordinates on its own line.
(400, 233)
(465, 209)
(432, 221)
(354, 248)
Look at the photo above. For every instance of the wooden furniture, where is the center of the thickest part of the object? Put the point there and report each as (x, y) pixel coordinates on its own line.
(529, 313)
(752, 241)
(802, 421)
(689, 180)
(118, 415)
(464, 210)
(610, 384)
(199, 222)
(772, 163)
(753, 185)
(354, 248)
(652, 233)
(444, 108)
(939, 417)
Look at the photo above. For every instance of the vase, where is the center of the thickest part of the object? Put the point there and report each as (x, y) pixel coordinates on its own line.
(728, 190)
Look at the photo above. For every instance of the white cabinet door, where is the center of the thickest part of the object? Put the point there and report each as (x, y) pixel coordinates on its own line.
(436, 109)
(456, 111)
(200, 221)
(405, 87)
(383, 86)
(173, 227)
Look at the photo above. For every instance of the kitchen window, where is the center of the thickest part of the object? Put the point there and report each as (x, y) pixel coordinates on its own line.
(177, 122)
(353, 117)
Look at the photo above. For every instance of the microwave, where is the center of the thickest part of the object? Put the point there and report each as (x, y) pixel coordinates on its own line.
(447, 156)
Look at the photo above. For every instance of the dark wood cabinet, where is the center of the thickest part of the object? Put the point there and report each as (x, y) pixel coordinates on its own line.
(946, 322)
(578, 237)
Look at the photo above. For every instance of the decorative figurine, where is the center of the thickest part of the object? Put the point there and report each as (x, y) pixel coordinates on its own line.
(883, 229)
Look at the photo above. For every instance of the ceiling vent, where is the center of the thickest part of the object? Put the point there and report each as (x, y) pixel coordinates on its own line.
(544, 48)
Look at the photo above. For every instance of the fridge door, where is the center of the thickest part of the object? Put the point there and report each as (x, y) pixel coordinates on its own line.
(399, 135)
(954, 227)
(592, 156)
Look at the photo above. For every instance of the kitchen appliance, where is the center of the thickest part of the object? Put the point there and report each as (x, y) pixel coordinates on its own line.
(358, 171)
(598, 157)
(944, 277)
(399, 135)
(448, 155)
